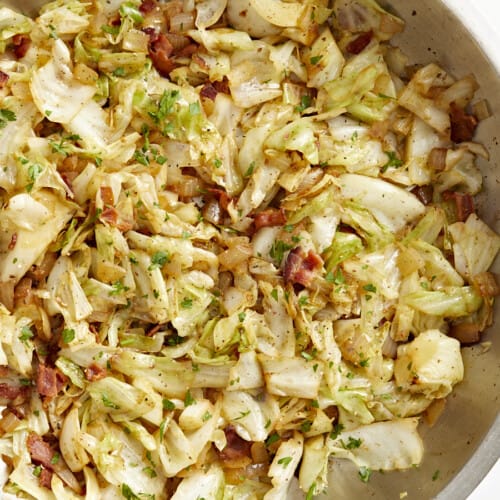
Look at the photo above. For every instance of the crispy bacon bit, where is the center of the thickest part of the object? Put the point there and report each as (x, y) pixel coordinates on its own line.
(68, 177)
(188, 50)
(160, 50)
(424, 193)
(46, 128)
(466, 333)
(147, 6)
(359, 43)
(300, 267)
(107, 195)
(208, 91)
(464, 203)
(154, 330)
(223, 198)
(40, 272)
(45, 478)
(151, 32)
(463, 125)
(111, 216)
(21, 45)
(23, 292)
(222, 86)
(4, 78)
(13, 241)
(200, 62)
(270, 217)
(487, 284)
(95, 372)
(332, 412)
(236, 447)
(11, 392)
(48, 381)
(40, 451)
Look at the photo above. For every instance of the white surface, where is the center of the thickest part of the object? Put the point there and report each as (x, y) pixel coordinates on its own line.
(484, 24)
(488, 489)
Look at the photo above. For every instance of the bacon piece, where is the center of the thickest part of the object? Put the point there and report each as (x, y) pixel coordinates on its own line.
(21, 45)
(68, 177)
(154, 330)
(23, 293)
(147, 6)
(332, 412)
(424, 193)
(49, 381)
(111, 216)
(200, 62)
(223, 198)
(222, 86)
(359, 43)
(300, 267)
(4, 78)
(13, 241)
(45, 478)
(486, 284)
(11, 392)
(160, 50)
(95, 372)
(40, 451)
(270, 217)
(236, 447)
(107, 195)
(188, 50)
(466, 333)
(208, 91)
(463, 125)
(464, 203)
(40, 272)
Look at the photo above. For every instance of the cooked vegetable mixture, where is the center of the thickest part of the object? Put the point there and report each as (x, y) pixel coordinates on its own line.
(237, 237)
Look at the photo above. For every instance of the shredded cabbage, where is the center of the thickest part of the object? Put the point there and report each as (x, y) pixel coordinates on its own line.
(234, 244)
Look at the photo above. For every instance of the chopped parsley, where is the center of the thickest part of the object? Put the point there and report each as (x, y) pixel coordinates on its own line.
(305, 102)
(26, 334)
(272, 439)
(108, 403)
(250, 170)
(34, 171)
(315, 60)
(364, 474)
(159, 259)
(117, 288)
(352, 443)
(305, 426)
(393, 161)
(168, 405)
(303, 300)
(6, 115)
(188, 399)
(187, 303)
(337, 429)
(284, 461)
(68, 334)
(278, 250)
(128, 493)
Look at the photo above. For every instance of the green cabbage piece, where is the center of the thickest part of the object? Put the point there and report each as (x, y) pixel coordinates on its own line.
(382, 445)
(431, 364)
(475, 246)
